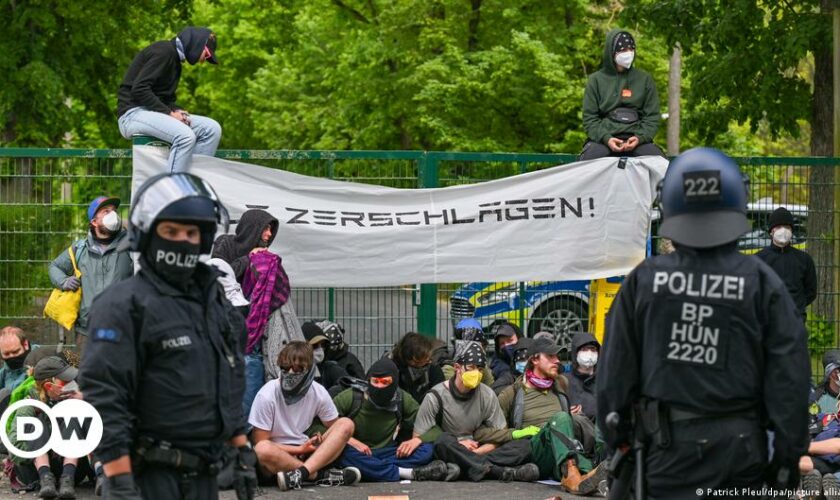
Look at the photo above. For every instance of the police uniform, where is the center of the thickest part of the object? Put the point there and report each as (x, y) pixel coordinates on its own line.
(706, 346)
(165, 369)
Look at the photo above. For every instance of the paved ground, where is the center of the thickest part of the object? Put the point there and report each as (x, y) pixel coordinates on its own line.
(490, 490)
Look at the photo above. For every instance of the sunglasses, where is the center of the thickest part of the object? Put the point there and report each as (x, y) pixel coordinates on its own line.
(381, 381)
(207, 54)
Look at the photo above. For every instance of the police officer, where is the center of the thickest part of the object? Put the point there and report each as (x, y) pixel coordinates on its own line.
(164, 366)
(706, 345)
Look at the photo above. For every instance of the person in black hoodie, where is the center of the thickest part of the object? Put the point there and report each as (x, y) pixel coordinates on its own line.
(338, 351)
(585, 349)
(413, 356)
(255, 232)
(795, 267)
(329, 373)
(146, 103)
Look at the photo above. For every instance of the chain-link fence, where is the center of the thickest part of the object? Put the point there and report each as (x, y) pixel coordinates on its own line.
(44, 195)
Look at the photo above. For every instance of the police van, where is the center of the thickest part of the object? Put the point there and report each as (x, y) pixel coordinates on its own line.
(562, 307)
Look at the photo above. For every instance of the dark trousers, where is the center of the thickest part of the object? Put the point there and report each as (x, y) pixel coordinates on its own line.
(158, 482)
(383, 465)
(712, 453)
(476, 467)
(593, 150)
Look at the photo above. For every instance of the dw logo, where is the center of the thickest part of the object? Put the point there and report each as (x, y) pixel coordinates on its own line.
(76, 428)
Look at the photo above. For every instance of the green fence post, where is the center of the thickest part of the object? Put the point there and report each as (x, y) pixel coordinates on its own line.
(427, 177)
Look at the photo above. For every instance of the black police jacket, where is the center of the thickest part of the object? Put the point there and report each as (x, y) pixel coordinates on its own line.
(712, 332)
(797, 270)
(165, 364)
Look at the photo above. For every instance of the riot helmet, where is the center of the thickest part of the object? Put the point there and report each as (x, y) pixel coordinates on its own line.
(703, 199)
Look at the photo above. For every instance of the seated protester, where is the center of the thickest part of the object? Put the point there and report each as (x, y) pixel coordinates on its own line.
(327, 373)
(14, 347)
(283, 411)
(536, 407)
(585, 349)
(827, 394)
(55, 381)
(462, 407)
(464, 337)
(413, 356)
(505, 336)
(338, 351)
(819, 468)
(519, 359)
(383, 415)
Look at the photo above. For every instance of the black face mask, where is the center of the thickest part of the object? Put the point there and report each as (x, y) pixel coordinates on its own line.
(382, 397)
(16, 363)
(173, 261)
(295, 385)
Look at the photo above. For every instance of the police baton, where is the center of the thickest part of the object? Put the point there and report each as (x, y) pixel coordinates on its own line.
(620, 468)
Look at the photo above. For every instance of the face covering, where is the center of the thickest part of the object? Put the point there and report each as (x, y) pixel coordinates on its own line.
(295, 385)
(70, 387)
(382, 397)
(538, 382)
(520, 366)
(782, 236)
(174, 261)
(507, 351)
(625, 59)
(417, 373)
(587, 358)
(16, 363)
(471, 379)
(112, 221)
(318, 355)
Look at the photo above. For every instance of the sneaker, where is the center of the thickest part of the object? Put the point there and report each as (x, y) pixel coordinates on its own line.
(433, 471)
(811, 485)
(831, 487)
(67, 487)
(347, 476)
(453, 472)
(524, 473)
(48, 486)
(289, 480)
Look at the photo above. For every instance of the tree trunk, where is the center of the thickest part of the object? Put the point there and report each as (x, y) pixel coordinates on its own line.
(674, 90)
(821, 210)
(475, 17)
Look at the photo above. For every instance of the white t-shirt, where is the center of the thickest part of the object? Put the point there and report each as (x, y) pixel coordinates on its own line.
(287, 424)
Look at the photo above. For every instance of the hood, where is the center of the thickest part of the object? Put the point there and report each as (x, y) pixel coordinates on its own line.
(608, 62)
(194, 39)
(250, 227)
(831, 360)
(581, 339)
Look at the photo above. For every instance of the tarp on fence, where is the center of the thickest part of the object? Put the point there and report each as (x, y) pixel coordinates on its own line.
(583, 220)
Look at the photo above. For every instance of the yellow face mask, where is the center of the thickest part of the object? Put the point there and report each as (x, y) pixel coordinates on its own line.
(471, 378)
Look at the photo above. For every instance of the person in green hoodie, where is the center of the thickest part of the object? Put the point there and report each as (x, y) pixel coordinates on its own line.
(620, 104)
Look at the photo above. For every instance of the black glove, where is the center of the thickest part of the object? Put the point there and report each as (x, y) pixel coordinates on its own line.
(121, 487)
(71, 284)
(245, 473)
(782, 477)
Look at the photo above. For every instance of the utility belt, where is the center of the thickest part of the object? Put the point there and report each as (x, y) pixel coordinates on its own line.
(151, 453)
(656, 417)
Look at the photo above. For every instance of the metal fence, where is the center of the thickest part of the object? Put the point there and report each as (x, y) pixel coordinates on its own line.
(44, 194)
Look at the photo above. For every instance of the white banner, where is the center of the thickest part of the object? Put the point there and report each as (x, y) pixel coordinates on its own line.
(583, 220)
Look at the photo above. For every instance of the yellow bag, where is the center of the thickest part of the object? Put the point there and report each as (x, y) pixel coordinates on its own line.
(63, 305)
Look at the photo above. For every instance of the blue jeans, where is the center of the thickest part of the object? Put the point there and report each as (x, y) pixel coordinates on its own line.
(254, 380)
(201, 136)
(383, 465)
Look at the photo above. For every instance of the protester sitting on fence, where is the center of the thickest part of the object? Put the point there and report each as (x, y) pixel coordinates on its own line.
(282, 416)
(466, 332)
(100, 257)
(413, 356)
(337, 349)
(517, 365)
(146, 103)
(585, 349)
(14, 348)
(463, 408)
(564, 446)
(55, 380)
(382, 447)
(327, 373)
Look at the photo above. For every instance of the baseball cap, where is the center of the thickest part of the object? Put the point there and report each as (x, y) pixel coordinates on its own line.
(100, 201)
(54, 366)
(37, 354)
(313, 333)
(543, 346)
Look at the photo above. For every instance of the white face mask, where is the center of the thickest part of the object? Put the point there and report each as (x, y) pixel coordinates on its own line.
(782, 236)
(625, 59)
(318, 355)
(587, 358)
(112, 221)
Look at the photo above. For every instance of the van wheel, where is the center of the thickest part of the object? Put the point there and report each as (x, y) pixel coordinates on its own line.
(561, 316)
